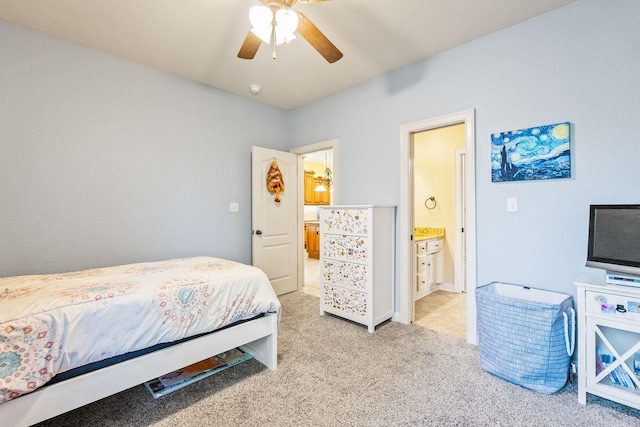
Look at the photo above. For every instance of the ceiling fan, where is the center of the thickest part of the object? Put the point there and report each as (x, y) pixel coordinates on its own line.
(275, 22)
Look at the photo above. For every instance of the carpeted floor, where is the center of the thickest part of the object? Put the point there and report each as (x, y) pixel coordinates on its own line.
(332, 372)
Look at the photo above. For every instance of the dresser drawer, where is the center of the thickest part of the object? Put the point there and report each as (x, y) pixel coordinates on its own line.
(348, 301)
(345, 248)
(346, 221)
(616, 305)
(345, 274)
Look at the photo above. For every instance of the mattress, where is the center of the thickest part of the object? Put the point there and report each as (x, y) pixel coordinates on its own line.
(52, 323)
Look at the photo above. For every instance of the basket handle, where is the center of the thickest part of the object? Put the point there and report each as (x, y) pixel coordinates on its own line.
(572, 346)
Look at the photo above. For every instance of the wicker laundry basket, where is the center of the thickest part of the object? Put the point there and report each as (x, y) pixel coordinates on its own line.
(525, 335)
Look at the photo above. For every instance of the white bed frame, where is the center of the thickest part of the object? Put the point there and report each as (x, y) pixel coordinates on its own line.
(258, 337)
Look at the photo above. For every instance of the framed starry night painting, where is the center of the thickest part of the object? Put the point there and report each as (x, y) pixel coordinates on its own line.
(541, 152)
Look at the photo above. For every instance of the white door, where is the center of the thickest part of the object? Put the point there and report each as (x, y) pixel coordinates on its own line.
(274, 223)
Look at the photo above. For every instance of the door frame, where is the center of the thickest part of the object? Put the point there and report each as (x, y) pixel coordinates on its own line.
(460, 251)
(332, 145)
(406, 220)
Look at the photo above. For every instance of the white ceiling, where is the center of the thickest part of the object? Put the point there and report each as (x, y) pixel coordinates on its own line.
(199, 39)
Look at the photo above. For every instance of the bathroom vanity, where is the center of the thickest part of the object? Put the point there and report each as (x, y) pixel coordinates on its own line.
(429, 260)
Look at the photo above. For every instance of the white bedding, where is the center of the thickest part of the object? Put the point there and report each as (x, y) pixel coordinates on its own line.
(52, 323)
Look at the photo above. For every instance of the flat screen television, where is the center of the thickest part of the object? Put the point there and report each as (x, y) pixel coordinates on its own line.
(614, 239)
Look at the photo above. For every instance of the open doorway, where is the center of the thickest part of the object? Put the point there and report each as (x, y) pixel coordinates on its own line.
(438, 222)
(318, 189)
(407, 245)
(317, 178)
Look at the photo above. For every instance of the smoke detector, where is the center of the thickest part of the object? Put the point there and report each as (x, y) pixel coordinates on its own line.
(255, 89)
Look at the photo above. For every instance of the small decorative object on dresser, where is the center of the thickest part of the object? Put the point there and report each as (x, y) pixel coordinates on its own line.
(357, 268)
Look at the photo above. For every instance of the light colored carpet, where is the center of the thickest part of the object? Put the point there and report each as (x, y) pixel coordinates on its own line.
(332, 372)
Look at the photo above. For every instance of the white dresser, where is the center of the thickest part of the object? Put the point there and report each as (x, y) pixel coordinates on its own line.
(357, 260)
(609, 341)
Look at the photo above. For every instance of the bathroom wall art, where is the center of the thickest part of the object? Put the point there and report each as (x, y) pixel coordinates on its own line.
(541, 152)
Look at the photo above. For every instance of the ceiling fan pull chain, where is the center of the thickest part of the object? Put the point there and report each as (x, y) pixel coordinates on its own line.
(273, 36)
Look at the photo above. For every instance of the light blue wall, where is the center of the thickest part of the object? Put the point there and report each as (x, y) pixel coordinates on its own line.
(103, 161)
(580, 63)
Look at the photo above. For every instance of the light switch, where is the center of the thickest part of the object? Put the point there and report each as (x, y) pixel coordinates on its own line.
(512, 204)
(234, 207)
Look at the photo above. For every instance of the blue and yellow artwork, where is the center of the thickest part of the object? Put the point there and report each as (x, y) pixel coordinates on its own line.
(541, 152)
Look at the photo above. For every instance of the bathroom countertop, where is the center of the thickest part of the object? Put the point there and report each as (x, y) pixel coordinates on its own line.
(428, 233)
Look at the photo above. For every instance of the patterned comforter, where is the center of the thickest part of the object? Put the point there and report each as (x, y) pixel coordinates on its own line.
(52, 323)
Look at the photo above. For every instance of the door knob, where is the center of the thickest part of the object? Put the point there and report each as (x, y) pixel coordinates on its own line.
(259, 232)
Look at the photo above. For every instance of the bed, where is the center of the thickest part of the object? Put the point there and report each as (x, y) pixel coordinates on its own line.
(59, 323)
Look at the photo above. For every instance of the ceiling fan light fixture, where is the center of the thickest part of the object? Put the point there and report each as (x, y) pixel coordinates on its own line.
(283, 38)
(275, 23)
(286, 25)
(261, 18)
(263, 34)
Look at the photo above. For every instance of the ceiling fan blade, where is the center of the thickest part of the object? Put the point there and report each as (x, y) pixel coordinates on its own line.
(249, 46)
(319, 41)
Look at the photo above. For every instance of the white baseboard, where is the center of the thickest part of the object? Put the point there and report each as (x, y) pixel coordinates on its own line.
(449, 287)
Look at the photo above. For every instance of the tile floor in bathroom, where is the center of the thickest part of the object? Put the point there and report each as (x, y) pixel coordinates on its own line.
(311, 276)
(440, 311)
(443, 311)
